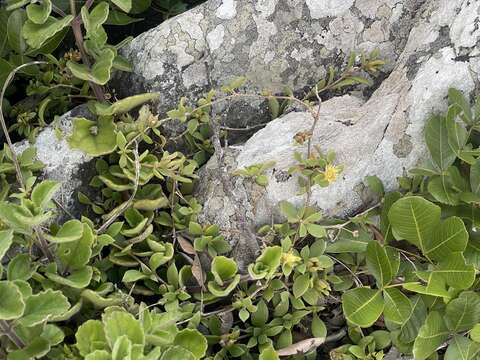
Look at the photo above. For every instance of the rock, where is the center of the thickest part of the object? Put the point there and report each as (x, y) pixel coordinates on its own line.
(274, 43)
(72, 168)
(381, 136)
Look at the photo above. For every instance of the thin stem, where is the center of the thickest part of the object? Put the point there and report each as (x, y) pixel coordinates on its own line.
(18, 172)
(11, 334)
(76, 25)
(127, 203)
(4, 124)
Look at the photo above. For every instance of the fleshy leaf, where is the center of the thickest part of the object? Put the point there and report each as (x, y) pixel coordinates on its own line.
(37, 35)
(39, 13)
(124, 105)
(100, 71)
(11, 301)
(125, 5)
(94, 138)
(90, 336)
(193, 341)
(6, 239)
(70, 231)
(42, 306)
(119, 323)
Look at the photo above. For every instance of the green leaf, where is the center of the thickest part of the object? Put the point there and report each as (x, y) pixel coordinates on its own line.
(447, 237)
(301, 285)
(443, 190)
(36, 349)
(375, 184)
(436, 137)
(193, 341)
(414, 219)
(122, 349)
(362, 306)
(431, 335)
(8, 216)
(260, 316)
(125, 5)
(11, 301)
(78, 279)
(463, 312)
(456, 97)
(319, 329)
(456, 272)
(475, 333)
(398, 307)
(267, 263)
(20, 268)
(133, 275)
(289, 211)
(98, 355)
(457, 135)
(409, 329)
(14, 31)
(75, 255)
(119, 323)
(43, 193)
(268, 353)
(94, 138)
(177, 353)
(94, 20)
(124, 105)
(223, 269)
(42, 306)
(382, 266)
(475, 177)
(6, 239)
(37, 35)
(100, 71)
(39, 13)
(462, 348)
(71, 230)
(317, 231)
(90, 336)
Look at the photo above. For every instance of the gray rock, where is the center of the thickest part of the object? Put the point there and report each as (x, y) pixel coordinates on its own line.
(274, 43)
(381, 136)
(72, 168)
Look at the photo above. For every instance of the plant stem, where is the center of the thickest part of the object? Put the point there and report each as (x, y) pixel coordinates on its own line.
(77, 32)
(120, 210)
(4, 124)
(11, 334)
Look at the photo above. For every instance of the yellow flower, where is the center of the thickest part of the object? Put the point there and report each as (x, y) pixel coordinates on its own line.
(290, 259)
(330, 173)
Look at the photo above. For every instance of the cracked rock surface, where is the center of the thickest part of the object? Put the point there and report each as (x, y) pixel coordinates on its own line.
(381, 135)
(274, 43)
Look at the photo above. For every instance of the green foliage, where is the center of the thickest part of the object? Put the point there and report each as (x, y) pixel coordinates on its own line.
(141, 276)
(256, 172)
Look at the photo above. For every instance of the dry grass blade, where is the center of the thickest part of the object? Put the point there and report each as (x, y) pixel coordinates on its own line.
(301, 347)
(186, 246)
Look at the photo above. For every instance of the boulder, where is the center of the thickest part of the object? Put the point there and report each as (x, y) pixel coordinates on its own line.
(380, 136)
(72, 168)
(274, 43)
